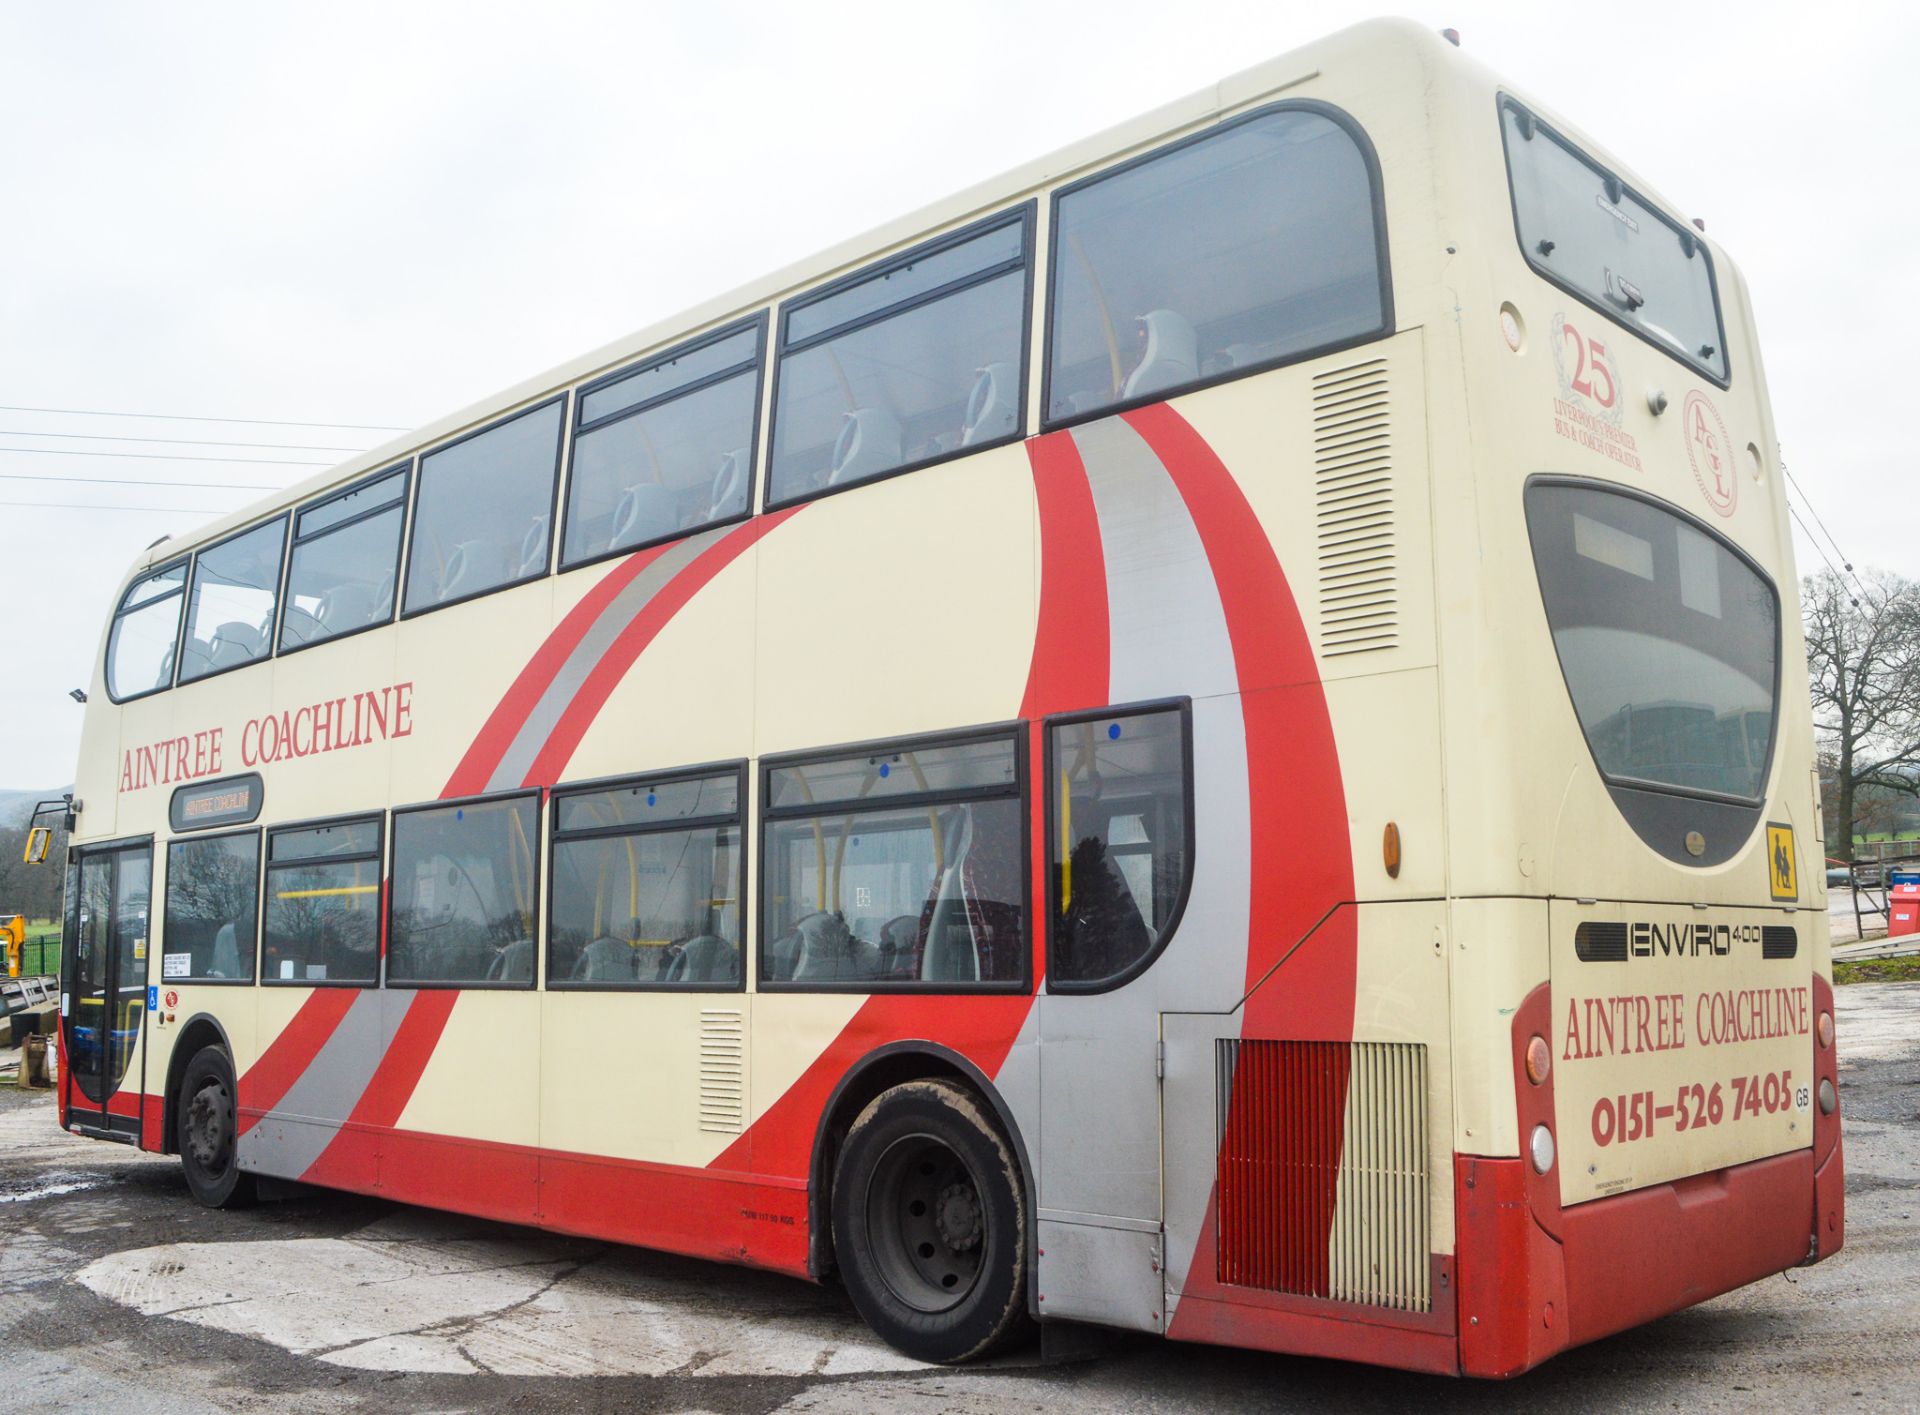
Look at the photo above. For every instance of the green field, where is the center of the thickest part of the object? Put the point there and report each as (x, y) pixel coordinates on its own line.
(1878, 970)
(42, 953)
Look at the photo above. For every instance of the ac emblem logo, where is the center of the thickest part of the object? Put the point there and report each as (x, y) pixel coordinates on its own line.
(1709, 454)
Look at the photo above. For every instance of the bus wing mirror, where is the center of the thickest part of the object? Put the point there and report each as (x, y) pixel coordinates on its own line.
(38, 840)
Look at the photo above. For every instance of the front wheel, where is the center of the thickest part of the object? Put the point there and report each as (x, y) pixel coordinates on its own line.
(930, 1223)
(209, 1134)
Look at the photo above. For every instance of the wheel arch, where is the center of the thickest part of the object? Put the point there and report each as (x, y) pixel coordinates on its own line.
(196, 1033)
(880, 1070)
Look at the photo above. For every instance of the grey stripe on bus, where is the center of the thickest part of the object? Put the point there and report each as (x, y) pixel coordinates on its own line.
(620, 611)
(1168, 636)
(291, 1137)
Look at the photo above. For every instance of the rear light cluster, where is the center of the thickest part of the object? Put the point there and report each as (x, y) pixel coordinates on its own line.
(1539, 1066)
(1823, 1029)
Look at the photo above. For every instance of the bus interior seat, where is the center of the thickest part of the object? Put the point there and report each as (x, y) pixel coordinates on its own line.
(1171, 354)
(605, 960)
(993, 407)
(829, 950)
(952, 952)
(512, 964)
(533, 548)
(705, 958)
(1234, 356)
(870, 441)
(730, 481)
(346, 606)
(233, 644)
(226, 954)
(646, 512)
(299, 626)
(473, 566)
(900, 946)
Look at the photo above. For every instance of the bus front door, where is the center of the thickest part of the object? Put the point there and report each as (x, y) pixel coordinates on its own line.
(103, 964)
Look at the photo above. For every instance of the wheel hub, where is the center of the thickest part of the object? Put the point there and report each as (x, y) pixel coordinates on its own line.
(926, 1223)
(207, 1125)
(958, 1217)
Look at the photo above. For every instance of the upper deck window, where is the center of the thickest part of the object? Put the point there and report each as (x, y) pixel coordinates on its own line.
(481, 518)
(1669, 640)
(230, 605)
(916, 360)
(346, 553)
(1585, 230)
(664, 449)
(1252, 245)
(145, 634)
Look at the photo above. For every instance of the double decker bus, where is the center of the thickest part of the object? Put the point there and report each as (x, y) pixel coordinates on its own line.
(1209, 737)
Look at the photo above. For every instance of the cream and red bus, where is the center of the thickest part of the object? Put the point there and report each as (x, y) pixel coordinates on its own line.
(1209, 737)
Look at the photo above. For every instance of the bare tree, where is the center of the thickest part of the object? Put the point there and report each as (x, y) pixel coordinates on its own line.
(1863, 657)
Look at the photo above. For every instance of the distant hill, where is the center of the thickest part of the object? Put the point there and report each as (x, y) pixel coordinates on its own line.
(14, 805)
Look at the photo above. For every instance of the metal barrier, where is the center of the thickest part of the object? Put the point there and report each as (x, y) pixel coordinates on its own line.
(18, 994)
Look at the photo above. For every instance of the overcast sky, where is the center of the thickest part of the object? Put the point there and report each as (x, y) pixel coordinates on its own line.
(379, 213)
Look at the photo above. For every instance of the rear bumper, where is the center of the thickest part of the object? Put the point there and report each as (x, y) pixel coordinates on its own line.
(1536, 1278)
(1526, 1293)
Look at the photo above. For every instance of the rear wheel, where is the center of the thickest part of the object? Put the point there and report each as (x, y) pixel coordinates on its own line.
(930, 1223)
(208, 1133)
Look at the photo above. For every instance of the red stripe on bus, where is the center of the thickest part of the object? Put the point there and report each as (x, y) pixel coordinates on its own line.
(645, 626)
(1070, 668)
(1298, 836)
(394, 1080)
(287, 1057)
(1299, 839)
(1072, 642)
(476, 768)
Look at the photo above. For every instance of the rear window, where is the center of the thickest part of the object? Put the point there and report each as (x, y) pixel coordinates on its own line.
(1585, 230)
(1668, 638)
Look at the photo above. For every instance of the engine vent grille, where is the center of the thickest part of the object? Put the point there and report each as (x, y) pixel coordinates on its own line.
(1323, 1187)
(1598, 942)
(723, 1070)
(1353, 510)
(1779, 941)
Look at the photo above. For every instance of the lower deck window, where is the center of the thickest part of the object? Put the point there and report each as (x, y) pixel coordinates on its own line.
(646, 886)
(323, 904)
(213, 904)
(922, 887)
(464, 890)
(1119, 852)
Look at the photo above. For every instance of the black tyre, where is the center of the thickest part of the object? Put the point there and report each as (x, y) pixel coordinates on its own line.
(207, 1133)
(930, 1223)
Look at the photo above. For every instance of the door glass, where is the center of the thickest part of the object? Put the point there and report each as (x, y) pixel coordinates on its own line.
(87, 996)
(132, 913)
(107, 929)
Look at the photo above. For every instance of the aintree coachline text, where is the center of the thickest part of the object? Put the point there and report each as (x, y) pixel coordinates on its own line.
(331, 725)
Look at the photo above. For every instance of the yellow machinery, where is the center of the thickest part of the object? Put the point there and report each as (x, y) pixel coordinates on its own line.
(13, 931)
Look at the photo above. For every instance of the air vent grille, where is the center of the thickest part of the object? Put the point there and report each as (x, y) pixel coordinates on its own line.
(1600, 943)
(723, 1070)
(1353, 510)
(1779, 941)
(1323, 1185)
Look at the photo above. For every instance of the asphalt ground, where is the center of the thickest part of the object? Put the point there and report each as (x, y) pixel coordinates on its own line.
(117, 1293)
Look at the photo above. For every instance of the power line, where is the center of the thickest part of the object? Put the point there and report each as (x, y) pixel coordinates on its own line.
(75, 506)
(174, 441)
(1814, 511)
(132, 481)
(184, 418)
(161, 457)
(1815, 543)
